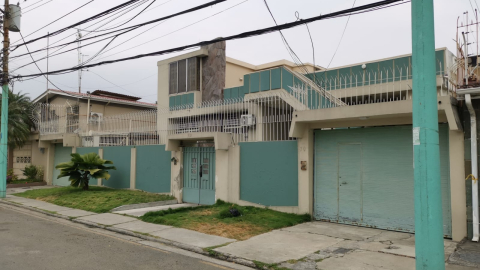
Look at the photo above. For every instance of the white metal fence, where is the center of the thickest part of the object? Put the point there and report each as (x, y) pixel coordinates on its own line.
(261, 116)
(371, 87)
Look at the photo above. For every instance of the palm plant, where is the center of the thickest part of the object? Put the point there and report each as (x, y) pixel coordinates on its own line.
(84, 167)
(19, 121)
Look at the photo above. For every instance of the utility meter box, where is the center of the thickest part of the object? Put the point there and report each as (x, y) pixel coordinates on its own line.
(15, 16)
(247, 120)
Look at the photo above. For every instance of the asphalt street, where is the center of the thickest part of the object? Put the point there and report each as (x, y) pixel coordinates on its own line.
(30, 240)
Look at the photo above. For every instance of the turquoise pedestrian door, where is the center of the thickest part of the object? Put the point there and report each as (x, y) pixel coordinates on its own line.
(62, 154)
(199, 175)
(364, 176)
(349, 183)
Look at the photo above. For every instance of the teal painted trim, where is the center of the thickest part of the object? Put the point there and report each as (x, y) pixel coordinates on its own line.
(276, 77)
(190, 99)
(86, 150)
(254, 82)
(269, 173)
(153, 172)
(429, 247)
(178, 100)
(235, 92)
(287, 80)
(121, 157)
(265, 80)
(190, 195)
(227, 93)
(241, 91)
(62, 154)
(344, 73)
(246, 83)
(171, 101)
(184, 99)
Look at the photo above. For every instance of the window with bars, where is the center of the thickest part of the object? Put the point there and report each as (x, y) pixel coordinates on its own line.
(184, 76)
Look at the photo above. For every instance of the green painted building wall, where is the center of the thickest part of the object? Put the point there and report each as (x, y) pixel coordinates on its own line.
(153, 169)
(364, 176)
(62, 154)
(387, 71)
(121, 157)
(187, 99)
(86, 150)
(269, 173)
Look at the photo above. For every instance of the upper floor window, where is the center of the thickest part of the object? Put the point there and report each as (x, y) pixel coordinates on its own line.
(184, 76)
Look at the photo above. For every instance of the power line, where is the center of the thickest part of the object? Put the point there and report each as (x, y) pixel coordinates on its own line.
(129, 20)
(99, 15)
(140, 25)
(63, 46)
(56, 20)
(41, 70)
(347, 12)
(36, 7)
(112, 15)
(34, 3)
(165, 34)
(341, 38)
(292, 53)
(114, 84)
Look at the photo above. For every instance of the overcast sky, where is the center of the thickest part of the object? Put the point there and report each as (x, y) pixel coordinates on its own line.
(369, 36)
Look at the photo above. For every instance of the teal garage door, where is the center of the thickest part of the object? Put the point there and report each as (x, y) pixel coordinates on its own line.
(364, 176)
(62, 154)
(199, 175)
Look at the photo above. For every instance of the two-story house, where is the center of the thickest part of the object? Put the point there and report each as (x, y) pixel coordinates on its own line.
(62, 117)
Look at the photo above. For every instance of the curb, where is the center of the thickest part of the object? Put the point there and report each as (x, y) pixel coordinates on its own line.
(218, 255)
(143, 205)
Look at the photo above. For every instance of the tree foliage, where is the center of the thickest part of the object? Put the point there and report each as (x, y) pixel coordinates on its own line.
(84, 167)
(19, 122)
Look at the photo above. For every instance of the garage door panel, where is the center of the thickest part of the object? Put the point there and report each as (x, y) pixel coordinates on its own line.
(327, 208)
(350, 183)
(387, 195)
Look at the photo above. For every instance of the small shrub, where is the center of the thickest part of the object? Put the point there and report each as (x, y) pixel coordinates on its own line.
(30, 171)
(11, 176)
(229, 213)
(40, 173)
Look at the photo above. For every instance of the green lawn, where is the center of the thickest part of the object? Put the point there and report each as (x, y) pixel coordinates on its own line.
(216, 220)
(97, 199)
(23, 181)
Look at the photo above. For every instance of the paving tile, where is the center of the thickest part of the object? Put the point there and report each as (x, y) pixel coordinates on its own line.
(76, 213)
(142, 211)
(334, 230)
(107, 219)
(280, 245)
(192, 237)
(407, 251)
(143, 227)
(367, 260)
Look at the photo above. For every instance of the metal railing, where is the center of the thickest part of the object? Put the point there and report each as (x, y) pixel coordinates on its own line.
(366, 89)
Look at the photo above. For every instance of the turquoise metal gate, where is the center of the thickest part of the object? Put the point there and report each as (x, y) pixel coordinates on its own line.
(199, 175)
(364, 176)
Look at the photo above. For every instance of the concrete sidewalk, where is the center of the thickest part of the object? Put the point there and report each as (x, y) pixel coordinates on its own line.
(313, 245)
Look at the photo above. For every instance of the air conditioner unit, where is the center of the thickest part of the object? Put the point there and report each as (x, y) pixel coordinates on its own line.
(247, 120)
(96, 117)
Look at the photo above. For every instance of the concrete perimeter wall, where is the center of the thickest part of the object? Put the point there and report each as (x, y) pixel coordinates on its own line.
(268, 173)
(144, 168)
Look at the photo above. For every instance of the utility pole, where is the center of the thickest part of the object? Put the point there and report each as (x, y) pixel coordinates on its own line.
(48, 45)
(79, 61)
(4, 113)
(429, 250)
